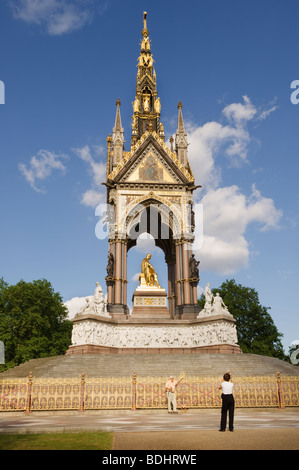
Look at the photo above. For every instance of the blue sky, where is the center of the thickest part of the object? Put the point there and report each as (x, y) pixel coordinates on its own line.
(231, 64)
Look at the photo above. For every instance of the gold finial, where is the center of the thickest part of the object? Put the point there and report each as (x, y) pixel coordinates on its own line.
(180, 105)
(145, 30)
(118, 102)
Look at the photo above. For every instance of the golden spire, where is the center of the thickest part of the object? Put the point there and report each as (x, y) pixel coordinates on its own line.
(146, 106)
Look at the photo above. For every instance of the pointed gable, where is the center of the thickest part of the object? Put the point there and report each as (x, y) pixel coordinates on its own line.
(150, 168)
(150, 160)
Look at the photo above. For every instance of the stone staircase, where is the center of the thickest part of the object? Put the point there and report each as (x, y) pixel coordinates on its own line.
(159, 365)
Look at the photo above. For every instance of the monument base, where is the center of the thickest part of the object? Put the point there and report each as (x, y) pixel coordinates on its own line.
(150, 302)
(96, 334)
(118, 311)
(187, 311)
(214, 349)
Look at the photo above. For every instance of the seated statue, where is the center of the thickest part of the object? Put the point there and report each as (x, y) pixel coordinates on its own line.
(95, 304)
(150, 275)
(218, 305)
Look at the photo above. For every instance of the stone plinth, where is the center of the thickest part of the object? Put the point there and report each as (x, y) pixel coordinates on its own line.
(95, 334)
(150, 302)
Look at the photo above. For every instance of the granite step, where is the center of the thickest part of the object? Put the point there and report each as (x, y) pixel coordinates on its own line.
(117, 365)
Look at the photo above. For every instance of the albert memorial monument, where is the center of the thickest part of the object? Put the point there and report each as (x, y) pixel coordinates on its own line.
(150, 187)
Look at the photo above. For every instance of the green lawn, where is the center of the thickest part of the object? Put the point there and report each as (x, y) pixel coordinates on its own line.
(57, 441)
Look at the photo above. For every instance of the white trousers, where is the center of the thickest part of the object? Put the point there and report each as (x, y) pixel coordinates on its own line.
(171, 397)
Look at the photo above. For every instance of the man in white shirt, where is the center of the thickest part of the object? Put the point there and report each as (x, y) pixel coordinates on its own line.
(228, 403)
(170, 393)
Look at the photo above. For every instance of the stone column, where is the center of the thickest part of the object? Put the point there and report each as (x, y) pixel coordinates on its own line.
(118, 272)
(194, 295)
(171, 288)
(185, 256)
(124, 274)
(178, 274)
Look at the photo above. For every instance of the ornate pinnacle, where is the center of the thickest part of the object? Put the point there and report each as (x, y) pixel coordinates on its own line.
(145, 30)
(109, 141)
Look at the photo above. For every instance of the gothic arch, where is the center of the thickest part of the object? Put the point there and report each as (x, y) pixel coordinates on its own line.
(163, 220)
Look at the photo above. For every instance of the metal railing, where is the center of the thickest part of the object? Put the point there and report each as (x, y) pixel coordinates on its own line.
(134, 392)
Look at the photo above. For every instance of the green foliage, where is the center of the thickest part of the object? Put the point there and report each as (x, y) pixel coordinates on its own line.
(33, 322)
(257, 333)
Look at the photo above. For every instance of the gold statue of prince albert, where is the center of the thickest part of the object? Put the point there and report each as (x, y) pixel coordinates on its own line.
(149, 273)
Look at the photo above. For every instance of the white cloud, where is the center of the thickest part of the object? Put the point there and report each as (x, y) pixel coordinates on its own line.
(227, 211)
(232, 140)
(57, 16)
(269, 109)
(41, 167)
(240, 113)
(135, 277)
(146, 243)
(261, 209)
(45, 162)
(223, 257)
(227, 214)
(207, 142)
(97, 169)
(92, 198)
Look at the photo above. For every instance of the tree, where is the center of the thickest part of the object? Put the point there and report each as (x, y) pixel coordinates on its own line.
(257, 333)
(33, 322)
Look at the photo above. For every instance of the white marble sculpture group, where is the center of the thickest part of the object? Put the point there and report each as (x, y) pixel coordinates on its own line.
(100, 331)
(96, 305)
(214, 305)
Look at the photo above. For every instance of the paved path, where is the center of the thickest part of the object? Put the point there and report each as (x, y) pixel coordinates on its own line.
(142, 421)
(157, 430)
(241, 439)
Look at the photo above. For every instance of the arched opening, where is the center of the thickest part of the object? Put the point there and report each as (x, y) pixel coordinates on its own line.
(149, 220)
(162, 221)
(145, 243)
(146, 100)
(150, 227)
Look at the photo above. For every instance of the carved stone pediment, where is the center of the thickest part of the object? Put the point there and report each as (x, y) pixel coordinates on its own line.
(150, 160)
